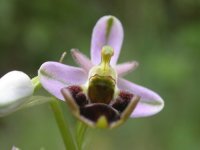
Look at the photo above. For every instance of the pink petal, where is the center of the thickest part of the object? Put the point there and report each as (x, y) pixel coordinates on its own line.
(150, 102)
(107, 31)
(54, 76)
(123, 69)
(81, 59)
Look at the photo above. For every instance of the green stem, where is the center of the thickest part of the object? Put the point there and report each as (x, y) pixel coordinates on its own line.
(63, 126)
(80, 134)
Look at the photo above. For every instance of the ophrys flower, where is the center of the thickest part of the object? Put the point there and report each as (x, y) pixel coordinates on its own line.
(96, 92)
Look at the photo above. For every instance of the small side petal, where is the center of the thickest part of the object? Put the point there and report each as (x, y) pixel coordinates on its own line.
(15, 88)
(81, 59)
(123, 69)
(54, 76)
(107, 31)
(150, 102)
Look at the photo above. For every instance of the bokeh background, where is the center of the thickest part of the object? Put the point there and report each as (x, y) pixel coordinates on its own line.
(163, 35)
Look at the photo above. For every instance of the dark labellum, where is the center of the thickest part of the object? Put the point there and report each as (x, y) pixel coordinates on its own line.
(116, 111)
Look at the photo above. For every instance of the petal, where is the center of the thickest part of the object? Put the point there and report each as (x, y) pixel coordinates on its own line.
(150, 102)
(107, 31)
(54, 76)
(123, 69)
(81, 59)
(95, 111)
(125, 104)
(77, 93)
(15, 88)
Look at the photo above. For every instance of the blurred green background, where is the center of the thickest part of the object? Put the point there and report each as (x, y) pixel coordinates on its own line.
(163, 35)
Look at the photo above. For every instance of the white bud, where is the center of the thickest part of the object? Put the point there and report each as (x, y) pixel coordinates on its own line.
(15, 88)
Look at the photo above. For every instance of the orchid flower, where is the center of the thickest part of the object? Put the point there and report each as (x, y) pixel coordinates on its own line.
(96, 92)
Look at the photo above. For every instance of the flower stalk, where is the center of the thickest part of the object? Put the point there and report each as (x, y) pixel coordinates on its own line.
(63, 126)
(81, 131)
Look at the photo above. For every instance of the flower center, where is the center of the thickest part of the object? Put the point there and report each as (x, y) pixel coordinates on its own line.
(102, 79)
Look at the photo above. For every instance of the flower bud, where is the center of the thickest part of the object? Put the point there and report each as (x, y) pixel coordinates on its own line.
(15, 88)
